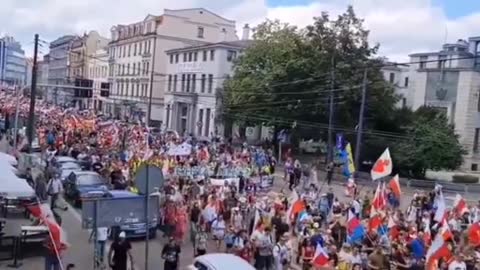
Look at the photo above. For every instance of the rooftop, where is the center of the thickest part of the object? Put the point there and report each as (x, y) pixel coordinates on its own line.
(237, 44)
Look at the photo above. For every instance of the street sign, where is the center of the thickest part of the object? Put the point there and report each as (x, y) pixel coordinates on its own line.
(155, 180)
(118, 211)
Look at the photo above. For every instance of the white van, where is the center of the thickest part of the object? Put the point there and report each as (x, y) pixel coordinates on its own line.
(220, 261)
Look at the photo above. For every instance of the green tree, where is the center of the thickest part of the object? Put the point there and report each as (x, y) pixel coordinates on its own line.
(431, 144)
(285, 75)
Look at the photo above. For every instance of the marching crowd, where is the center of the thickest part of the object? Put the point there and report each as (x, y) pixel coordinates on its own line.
(218, 198)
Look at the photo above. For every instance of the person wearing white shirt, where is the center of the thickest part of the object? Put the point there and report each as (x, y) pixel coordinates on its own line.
(102, 237)
(457, 263)
(54, 189)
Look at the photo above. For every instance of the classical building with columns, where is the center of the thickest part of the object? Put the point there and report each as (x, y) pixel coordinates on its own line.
(195, 74)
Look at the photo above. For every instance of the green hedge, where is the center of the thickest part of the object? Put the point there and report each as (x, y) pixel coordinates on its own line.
(465, 179)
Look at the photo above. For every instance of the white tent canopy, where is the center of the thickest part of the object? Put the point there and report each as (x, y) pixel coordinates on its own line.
(10, 185)
(8, 159)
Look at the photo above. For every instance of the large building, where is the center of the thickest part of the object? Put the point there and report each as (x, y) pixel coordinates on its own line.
(449, 80)
(397, 75)
(98, 73)
(58, 71)
(195, 74)
(13, 66)
(138, 59)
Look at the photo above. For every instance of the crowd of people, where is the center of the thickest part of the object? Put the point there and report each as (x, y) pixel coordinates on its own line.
(218, 197)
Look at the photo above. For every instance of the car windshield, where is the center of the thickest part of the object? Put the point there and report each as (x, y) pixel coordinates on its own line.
(88, 179)
(70, 166)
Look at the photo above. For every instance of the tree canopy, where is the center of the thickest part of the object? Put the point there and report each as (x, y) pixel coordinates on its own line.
(286, 74)
(431, 144)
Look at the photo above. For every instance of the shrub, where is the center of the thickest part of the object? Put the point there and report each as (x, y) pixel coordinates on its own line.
(465, 179)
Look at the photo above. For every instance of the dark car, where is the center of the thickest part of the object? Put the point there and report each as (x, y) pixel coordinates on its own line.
(82, 185)
(132, 230)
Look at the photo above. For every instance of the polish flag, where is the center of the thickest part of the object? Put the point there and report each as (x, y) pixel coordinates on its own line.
(383, 166)
(437, 250)
(460, 206)
(321, 258)
(445, 231)
(379, 200)
(427, 235)
(375, 222)
(393, 228)
(394, 185)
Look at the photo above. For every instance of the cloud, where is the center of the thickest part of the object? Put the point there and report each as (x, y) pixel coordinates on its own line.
(400, 26)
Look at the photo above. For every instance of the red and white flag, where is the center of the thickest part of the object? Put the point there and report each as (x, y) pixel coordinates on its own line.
(441, 212)
(460, 206)
(437, 250)
(383, 166)
(394, 185)
(321, 258)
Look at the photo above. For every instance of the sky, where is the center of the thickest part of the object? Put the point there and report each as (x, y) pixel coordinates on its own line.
(400, 27)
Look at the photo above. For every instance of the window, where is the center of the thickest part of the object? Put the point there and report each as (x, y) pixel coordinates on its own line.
(171, 58)
(126, 89)
(195, 56)
(149, 46)
(145, 50)
(183, 83)
(200, 32)
(391, 79)
(176, 58)
(134, 71)
(190, 57)
(474, 167)
(129, 49)
(184, 57)
(210, 83)
(147, 68)
(138, 90)
(475, 140)
(135, 49)
(202, 89)
(194, 82)
(169, 87)
(128, 69)
(212, 55)
(124, 51)
(205, 54)
(200, 121)
(174, 83)
(406, 82)
(231, 55)
(139, 68)
(140, 48)
(188, 83)
(442, 61)
(423, 61)
(207, 123)
(168, 116)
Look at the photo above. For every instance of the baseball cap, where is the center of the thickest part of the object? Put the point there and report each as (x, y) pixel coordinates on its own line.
(122, 235)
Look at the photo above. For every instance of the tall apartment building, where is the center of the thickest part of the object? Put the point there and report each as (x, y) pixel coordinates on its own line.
(81, 54)
(42, 75)
(138, 60)
(98, 73)
(13, 67)
(195, 74)
(449, 80)
(59, 72)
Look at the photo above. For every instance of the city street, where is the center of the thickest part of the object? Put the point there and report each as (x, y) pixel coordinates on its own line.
(81, 252)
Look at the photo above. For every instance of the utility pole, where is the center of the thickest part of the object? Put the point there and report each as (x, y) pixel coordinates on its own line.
(331, 112)
(358, 145)
(33, 96)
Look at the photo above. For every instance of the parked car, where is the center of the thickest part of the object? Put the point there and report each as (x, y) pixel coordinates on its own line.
(312, 147)
(132, 230)
(65, 159)
(85, 185)
(220, 261)
(67, 168)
